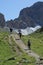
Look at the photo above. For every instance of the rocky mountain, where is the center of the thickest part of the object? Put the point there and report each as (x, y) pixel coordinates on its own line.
(10, 23)
(29, 17)
(2, 20)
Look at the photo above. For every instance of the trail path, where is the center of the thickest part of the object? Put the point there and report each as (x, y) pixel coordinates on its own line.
(24, 48)
(13, 46)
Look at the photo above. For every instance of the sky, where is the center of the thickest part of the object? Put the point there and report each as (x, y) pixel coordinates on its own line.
(12, 8)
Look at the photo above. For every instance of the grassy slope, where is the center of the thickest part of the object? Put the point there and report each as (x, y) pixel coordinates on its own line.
(6, 52)
(36, 42)
(4, 46)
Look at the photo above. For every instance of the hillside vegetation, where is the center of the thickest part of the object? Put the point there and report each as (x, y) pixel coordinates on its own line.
(36, 41)
(10, 53)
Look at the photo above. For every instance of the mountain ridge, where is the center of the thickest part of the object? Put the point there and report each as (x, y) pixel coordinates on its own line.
(28, 17)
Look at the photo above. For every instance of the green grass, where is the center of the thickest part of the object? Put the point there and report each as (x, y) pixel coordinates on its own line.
(6, 52)
(19, 59)
(36, 42)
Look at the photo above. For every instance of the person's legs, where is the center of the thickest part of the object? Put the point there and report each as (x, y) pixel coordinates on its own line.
(20, 35)
(29, 47)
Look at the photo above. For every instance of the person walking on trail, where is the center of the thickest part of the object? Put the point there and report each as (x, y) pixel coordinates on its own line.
(19, 33)
(11, 30)
(29, 44)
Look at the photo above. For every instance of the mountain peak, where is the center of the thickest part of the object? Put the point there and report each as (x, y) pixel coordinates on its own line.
(39, 3)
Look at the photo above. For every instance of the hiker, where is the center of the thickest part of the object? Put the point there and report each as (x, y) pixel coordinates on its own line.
(29, 44)
(11, 30)
(19, 33)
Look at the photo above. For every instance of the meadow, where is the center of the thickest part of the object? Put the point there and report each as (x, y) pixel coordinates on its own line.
(36, 40)
(10, 54)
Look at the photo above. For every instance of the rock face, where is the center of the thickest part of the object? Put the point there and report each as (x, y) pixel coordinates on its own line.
(29, 17)
(2, 20)
(10, 24)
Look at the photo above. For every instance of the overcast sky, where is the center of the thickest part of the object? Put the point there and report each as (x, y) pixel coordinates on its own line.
(11, 8)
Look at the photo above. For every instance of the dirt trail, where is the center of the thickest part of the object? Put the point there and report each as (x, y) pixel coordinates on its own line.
(24, 48)
(13, 46)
